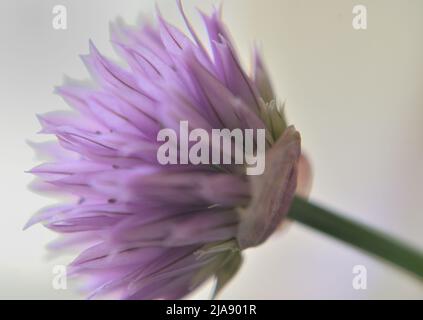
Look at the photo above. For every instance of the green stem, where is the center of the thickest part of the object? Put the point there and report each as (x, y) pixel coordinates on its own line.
(358, 235)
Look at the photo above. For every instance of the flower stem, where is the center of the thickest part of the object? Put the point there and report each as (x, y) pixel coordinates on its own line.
(358, 235)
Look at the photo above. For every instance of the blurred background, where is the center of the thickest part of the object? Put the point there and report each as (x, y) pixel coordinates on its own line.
(355, 95)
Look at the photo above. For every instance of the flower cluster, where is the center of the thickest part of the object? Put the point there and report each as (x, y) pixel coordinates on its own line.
(152, 231)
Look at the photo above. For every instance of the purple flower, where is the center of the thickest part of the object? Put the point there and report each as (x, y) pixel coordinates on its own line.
(151, 231)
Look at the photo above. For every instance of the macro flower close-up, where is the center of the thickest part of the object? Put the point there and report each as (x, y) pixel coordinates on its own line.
(203, 150)
(159, 231)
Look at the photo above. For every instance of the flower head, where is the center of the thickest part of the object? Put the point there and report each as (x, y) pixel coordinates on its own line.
(153, 231)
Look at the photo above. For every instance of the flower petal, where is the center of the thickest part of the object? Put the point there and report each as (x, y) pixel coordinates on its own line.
(272, 192)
